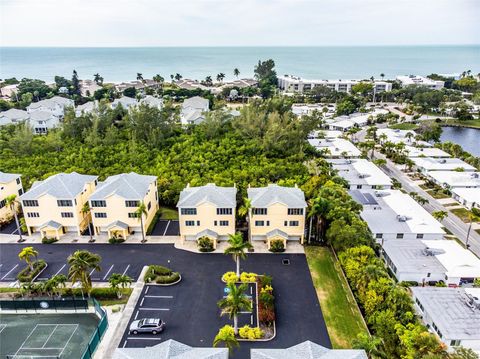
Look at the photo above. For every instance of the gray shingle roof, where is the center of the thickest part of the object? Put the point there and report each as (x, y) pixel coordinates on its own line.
(8, 177)
(219, 196)
(292, 197)
(15, 115)
(51, 103)
(277, 233)
(127, 185)
(307, 350)
(208, 233)
(41, 116)
(118, 224)
(61, 186)
(51, 224)
(171, 349)
(196, 102)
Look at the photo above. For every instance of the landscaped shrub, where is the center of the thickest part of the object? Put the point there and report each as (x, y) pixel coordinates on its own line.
(27, 275)
(407, 284)
(161, 275)
(248, 277)
(46, 240)
(115, 240)
(205, 244)
(230, 277)
(247, 332)
(154, 221)
(277, 246)
(266, 300)
(99, 293)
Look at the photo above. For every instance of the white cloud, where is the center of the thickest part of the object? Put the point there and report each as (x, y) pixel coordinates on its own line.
(237, 23)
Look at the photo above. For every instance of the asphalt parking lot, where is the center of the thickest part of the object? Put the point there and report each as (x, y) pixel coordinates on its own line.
(193, 317)
(10, 228)
(166, 228)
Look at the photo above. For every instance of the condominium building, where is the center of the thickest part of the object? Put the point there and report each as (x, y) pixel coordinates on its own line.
(469, 197)
(413, 80)
(207, 211)
(361, 173)
(429, 164)
(54, 206)
(277, 213)
(453, 314)
(455, 179)
(10, 184)
(394, 215)
(335, 147)
(289, 83)
(307, 350)
(115, 203)
(193, 110)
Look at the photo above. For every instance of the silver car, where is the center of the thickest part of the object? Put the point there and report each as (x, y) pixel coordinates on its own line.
(147, 325)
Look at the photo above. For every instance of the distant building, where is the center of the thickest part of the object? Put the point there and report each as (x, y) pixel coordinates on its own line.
(394, 215)
(289, 83)
(8, 91)
(152, 101)
(433, 152)
(55, 105)
(425, 261)
(125, 101)
(361, 174)
(420, 81)
(453, 314)
(408, 137)
(358, 119)
(171, 349)
(335, 147)
(277, 213)
(10, 184)
(88, 87)
(454, 179)
(87, 107)
(307, 350)
(13, 116)
(429, 164)
(469, 197)
(42, 121)
(193, 110)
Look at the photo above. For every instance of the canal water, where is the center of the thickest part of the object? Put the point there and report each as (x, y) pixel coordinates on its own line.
(468, 138)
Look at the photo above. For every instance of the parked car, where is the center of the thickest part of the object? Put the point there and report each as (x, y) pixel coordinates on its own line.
(147, 325)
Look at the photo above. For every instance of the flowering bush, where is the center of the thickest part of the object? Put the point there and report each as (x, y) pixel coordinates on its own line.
(248, 277)
(246, 332)
(230, 277)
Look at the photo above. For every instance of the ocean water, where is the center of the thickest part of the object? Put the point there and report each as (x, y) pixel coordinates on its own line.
(122, 64)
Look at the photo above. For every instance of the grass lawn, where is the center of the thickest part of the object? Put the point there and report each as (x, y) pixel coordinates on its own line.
(438, 195)
(8, 290)
(404, 126)
(168, 213)
(463, 213)
(343, 319)
(450, 204)
(472, 123)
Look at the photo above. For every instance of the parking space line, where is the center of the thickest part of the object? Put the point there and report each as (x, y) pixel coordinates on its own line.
(10, 271)
(251, 319)
(136, 315)
(125, 271)
(146, 290)
(135, 338)
(141, 304)
(159, 296)
(124, 343)
(165, 231)
(60, 269)
(160, 309)
(106, 274)
(93, 270)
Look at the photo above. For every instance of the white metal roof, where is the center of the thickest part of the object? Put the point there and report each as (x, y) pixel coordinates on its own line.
(468, 194)
(456, 179)
(426, 152)
(360, 171)
(441, 164)
(335, 147)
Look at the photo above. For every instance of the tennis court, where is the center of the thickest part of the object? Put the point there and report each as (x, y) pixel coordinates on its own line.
(29, 336)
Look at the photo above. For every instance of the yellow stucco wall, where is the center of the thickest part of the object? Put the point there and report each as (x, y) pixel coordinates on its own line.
(117, 211)
(49, 210)
(277, 214)
(207, 215)
(7, 189)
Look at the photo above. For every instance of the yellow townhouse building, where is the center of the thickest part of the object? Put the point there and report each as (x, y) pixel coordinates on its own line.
(10, 183)
(207, 211)
(114, 203)
(54, 206)
(277, 213)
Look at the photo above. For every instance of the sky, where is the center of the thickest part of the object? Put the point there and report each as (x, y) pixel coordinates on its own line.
(119, 23)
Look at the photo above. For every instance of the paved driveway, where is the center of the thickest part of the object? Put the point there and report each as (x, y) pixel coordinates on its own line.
(193, 316)
(166, 228)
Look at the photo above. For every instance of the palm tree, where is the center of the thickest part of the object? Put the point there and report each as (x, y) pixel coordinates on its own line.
(140, 212)
(98, 79)
(383, 137)
(236, 72)
(26, 254)
(178, 77)
(371, 344)
(226, 335)
(12, 203)
(235, 302)
(172, 77)
(245, 208)
(440, 215)
(86, 212)
(81, 264)
(118, 281)
(382, 75)
(52, 285)
(220, 77)
(139, 76)
(319, 207)
(237, 248)
(158, 78)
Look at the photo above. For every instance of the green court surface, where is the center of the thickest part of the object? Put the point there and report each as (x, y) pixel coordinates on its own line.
(30, 336)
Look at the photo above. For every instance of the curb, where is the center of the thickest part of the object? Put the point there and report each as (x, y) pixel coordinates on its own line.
(166, 284)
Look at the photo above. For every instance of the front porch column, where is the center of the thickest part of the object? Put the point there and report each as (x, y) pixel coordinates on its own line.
(58, 235)
(125, 234)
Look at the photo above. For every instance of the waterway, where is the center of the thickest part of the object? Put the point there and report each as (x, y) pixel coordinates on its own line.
(468, 138)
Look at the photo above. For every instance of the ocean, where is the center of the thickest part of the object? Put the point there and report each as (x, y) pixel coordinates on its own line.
(123, 64)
